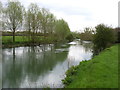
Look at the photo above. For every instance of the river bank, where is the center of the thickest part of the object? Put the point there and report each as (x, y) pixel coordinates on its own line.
(28, 44)
(99, 72)
(23, 41)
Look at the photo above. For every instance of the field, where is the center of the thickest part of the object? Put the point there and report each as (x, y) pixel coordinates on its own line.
(99, 72)
(18, 39)
(24, 39)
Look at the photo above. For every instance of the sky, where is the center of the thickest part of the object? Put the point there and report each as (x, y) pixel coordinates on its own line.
(80, 14)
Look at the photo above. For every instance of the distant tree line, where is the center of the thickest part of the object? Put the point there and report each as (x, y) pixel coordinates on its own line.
(34, 21)
(87, 34)
(102, 36)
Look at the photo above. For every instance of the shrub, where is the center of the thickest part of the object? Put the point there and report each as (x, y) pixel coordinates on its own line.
(87, 35)
(71, 71)
(104, 37)
(69, 37)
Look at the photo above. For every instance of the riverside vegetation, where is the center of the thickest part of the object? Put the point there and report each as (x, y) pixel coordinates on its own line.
(102, 70)
(99, 72)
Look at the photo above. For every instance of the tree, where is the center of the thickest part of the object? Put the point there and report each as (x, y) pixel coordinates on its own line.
(62, 29)
(76, 35)
(70, 37)
(51, 23)
(2, 17)
(117, 34)
(1, 9)
(104, 37)
(32, 20)
(45, 20)
(14, 16)
(87, 34)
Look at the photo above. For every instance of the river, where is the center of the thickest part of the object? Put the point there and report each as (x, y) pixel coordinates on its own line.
(42, 66)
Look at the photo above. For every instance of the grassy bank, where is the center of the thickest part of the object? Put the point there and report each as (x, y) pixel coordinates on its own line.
(99, 72)
(18, 39)
(24, 41)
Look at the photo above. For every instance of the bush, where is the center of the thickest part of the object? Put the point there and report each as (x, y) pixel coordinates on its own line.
(117, 34)
(71, 71)
(104, 37)
(70, 37)
(87, 35)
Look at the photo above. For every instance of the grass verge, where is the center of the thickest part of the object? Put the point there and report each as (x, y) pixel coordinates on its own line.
(99, 72)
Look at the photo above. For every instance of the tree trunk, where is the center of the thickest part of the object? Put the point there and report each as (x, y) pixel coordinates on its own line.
(14, 36)
(29, 36)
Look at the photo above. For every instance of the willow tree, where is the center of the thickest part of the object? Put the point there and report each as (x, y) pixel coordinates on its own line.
(46, 18)
(1, 9)
(14, 13)
(32, 20)
(2, 17)
(62, 29)
(51, 23)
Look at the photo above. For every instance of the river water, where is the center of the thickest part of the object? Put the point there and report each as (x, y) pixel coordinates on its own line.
(42, 66)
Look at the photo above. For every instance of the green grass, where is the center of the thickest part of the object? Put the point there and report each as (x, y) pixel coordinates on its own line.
(99, 72)
(18, 39)
(24, 39)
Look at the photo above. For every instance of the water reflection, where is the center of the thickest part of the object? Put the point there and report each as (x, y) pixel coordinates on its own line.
(79, 51)
(41, 66)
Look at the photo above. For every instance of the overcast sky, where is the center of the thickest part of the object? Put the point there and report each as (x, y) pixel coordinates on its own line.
(80, 13)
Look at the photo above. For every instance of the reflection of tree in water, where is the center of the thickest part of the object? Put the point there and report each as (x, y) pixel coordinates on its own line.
(12, 73)
(90, 47)
(96, 51)
(46, 61)
(70, 61)
(87, 46)
(35, 61)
